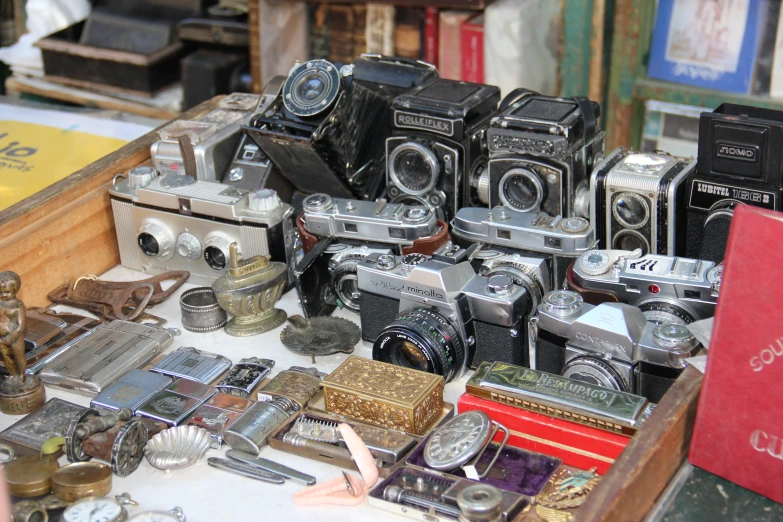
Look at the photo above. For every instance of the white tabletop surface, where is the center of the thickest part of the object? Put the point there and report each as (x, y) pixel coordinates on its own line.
(209, 495)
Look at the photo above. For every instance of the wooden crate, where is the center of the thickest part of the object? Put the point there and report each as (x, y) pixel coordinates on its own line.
(67, 231)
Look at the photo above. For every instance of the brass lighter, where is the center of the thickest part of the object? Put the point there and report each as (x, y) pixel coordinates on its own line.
(386, 395)
(249, 292)
(296, 383)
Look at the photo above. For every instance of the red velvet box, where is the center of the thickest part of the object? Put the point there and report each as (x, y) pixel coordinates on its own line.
(739, 426)
(576, 445)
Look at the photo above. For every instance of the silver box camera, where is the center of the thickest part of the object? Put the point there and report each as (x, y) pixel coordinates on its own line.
(666, 289)
(214, 137)
(638, 201)
(176, 223)
(562, 239)
(610, 345)
(338, 233)
(436, 314)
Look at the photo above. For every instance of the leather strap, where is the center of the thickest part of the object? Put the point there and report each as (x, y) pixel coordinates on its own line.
(593, 297)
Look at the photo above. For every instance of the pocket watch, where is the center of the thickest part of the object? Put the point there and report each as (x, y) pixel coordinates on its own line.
(175, 515)
(95, 509)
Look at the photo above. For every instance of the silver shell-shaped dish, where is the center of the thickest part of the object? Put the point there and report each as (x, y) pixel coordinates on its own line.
(178, 447)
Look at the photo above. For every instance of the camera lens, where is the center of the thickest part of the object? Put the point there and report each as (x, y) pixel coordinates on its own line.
(595, 371)
(215, 258)
(520, 189)
(311, 88)
(345, 284)
(148, 244)
(424, 340)
(631, 210)
(630, 240)
(413, 168)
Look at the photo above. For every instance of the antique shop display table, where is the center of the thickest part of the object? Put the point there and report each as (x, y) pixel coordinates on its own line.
(209, 495)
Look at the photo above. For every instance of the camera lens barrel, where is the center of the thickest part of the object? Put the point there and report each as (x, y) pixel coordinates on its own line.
(422, 339)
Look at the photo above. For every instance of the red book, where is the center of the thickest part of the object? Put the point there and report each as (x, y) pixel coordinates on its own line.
(739, 429)
(473, 50)
(431, 30)
(576, 445)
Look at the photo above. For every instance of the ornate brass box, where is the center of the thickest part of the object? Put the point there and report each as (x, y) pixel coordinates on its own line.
(385, 395)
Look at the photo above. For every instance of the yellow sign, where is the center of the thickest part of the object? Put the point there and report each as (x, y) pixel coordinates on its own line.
(34, 156)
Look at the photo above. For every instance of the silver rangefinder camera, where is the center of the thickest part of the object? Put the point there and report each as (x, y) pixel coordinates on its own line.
(560, 240)
(611, 345)
(174, 222)
(667, 289)
(338, 233)
(435, 314)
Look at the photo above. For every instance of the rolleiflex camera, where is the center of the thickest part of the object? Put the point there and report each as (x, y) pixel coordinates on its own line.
(541, 153)
(740, 161)
(438, 143)
(174, 222)
(638, 201)
(327, 130)
(560, 240)
(610, 345)
(667, 289)
(435, 314)
(338, 233)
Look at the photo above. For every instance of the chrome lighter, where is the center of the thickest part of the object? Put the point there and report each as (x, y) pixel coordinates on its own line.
(191, 363)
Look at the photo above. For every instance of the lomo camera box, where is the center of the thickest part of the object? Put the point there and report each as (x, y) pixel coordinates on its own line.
(384, 395)
(739, 430)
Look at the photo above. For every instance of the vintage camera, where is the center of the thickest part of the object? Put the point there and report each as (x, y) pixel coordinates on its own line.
(326, 131)
(536, 234)
(541, 153)
(438, 142)
(667, 289)
(638, 201)
(338, 233)
(610, 345)
(740, 161)
(174, 222)
(449, 318)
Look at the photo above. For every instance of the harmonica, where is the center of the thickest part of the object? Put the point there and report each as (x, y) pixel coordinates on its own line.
(557, 396)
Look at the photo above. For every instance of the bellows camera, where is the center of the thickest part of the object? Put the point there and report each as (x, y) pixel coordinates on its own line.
(611, 345)
(338, 233)
(334, 122)
(174, 222)
(541, 153)
(437, 142)
(435, 314)
(740, 161)
(666, 289)
(638, 201)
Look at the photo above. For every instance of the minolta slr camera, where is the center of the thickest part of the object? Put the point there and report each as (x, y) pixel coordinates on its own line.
(438, 142)
(435, 314)
(338, 233)
(638, 201)
(541, 153)
(740, 161)
(327, 130)
(537, 234)
(174, 222)
(530, 272)
(667, 289)
(610, 345)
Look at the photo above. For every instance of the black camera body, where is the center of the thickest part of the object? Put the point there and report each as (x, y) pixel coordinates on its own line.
(327, 130)
(541, 153)
(740, 161)
(437, 144)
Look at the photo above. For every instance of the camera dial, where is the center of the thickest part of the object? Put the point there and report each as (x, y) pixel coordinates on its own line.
(595, 262)
(574, 225)
(141, 176)
(416, 215)
(520, 274)
(317, 202)
(413, 168)
(521, 190)
(263, 200)
(216, 250)
(311, 88)
(563, 303)
(662, 311)
(411, 261)
(678, 340)
(714, 277)
(188, 246)
(156, 240)
(386, 262)
(500, 285)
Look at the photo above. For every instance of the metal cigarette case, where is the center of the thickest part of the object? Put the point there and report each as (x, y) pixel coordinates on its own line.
(28, 435)
(561, 397)
(191, 363)
(296, 383)
(229, 402)
(245, 377)
(102, 357)
(195, 390)
(131, 391)
(169, 407)
(249, 432)
(385, 395)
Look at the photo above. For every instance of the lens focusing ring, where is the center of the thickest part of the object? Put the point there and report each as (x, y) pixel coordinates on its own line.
(429, 158)
(323, 76)
(345, 273)
(508, 177)
(427, 332)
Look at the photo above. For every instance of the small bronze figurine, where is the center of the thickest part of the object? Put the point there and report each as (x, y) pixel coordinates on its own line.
(20, 394)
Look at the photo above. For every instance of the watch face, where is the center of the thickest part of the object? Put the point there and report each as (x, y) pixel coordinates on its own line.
(155, 516)
(457, 441)
(93, 510)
